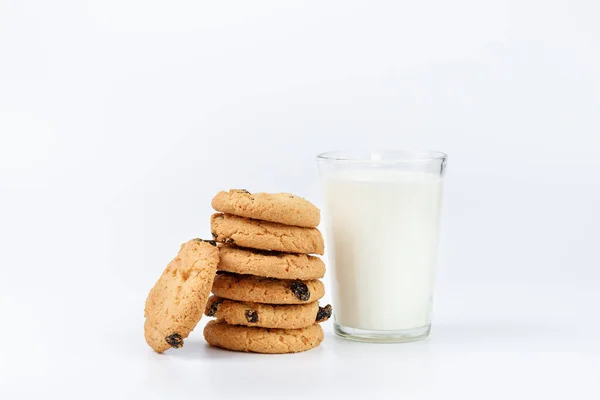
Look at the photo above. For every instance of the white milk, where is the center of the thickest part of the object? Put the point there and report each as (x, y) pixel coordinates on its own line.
(382, 242)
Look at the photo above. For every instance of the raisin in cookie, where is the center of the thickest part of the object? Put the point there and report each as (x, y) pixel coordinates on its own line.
(176, 302)
(284, 208)
(264, 235)
(271, 264)
(266, 290)
(262, 340)
(266, 315)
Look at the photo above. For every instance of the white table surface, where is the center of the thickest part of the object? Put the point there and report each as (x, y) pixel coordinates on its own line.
(487, 343)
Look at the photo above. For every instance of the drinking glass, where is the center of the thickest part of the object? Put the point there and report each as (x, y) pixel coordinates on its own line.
(382, 218)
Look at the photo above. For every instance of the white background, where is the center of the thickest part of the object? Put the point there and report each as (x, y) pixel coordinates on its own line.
(119, 120)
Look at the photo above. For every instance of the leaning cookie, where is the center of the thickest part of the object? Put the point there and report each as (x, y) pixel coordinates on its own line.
(266, 315)
(264, 235)
(283, 208)
(256, 289)
(262, 340)
(176, 302)
(271, 264)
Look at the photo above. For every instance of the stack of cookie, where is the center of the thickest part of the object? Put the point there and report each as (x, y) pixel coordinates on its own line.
(266, 292)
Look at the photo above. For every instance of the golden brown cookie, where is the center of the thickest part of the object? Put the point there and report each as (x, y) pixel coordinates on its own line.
(266, 290)
(271, 264)
(266, 315)
(264, 235)
(176, 302)
(262, 340)
(284, 208)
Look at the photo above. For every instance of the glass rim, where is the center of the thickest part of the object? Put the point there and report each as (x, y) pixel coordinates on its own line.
(383, 156)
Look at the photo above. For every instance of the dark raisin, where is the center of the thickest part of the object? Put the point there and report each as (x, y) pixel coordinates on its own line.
(300, 290)
(213, 308)
(242, 191)
(251, 315)
(324, 313)
(291, 197)
(174, 340)
(214, 235)
(207, 241)
(229, 240)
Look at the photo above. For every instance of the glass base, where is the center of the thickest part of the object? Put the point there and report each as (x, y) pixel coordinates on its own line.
(372, 336)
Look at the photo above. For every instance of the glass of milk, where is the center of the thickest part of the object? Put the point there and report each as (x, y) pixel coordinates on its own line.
(382, 215)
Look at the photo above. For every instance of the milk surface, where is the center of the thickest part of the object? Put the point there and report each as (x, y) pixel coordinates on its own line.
(382, 232)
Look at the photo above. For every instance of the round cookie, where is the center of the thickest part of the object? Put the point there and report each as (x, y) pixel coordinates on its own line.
(284, 208)
(256, 289)
(266, 315)
(264, 235)
(262, 340)
(176, 302)
(271, 264)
